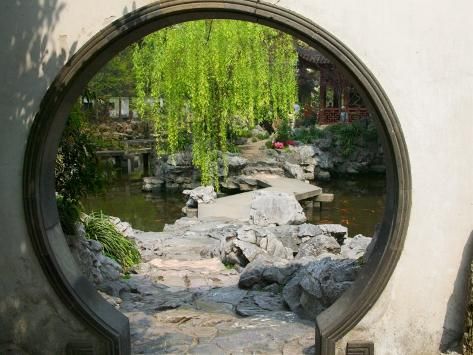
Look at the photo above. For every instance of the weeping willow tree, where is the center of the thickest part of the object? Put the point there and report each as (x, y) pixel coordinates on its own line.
(203, 81)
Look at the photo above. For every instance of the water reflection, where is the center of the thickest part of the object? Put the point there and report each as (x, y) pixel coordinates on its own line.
(358, 204)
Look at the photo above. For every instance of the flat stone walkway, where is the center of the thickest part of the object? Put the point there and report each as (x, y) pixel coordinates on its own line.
(238, 206)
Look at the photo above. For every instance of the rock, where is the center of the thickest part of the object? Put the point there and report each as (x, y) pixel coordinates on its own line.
(246, 183)
(309, 169)
(99, 269)
(190, 211)
(323, 175)
(355, 248)
(292, 292)
(109, 268)
(123, 227)
(323, 143)
(353, 167)
(264, 166)
(248, 243)
(200, 195)
(264, 271)
(337, 231)
(180, 159)
(248, 250)
(308, 230)
(235, 161)
(230, 184)
(318, 284)
(320, 245)
(325, 160)
(151, 184)
(274, 288)
(294, 171)
(269, 207)
(308, 176)
(287, 234)
(258, 130)
(305, 153)
(259, 303)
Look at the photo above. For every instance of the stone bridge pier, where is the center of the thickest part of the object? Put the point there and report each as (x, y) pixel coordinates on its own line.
(411, 59)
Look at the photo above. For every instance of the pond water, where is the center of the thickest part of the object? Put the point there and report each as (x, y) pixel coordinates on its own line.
(358, 204)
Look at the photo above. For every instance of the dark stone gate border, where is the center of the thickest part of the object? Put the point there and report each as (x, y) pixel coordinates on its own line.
(39, 192)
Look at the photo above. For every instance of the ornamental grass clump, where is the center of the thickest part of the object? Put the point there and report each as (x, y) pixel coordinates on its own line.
(115, 245)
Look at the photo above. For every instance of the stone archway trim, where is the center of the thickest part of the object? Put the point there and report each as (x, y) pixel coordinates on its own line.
(41, 211)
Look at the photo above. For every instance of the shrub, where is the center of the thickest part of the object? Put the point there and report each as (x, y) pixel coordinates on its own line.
(262, 136)
(346, 135)
(69, 213)
(77, 171)
(284, 131)
(115, 245)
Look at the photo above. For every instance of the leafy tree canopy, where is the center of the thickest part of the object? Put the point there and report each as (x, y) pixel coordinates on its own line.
(203, 81)
(116, 78)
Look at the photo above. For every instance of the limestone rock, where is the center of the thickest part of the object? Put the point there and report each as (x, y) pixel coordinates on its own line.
(180, 159)
(248, 243)
(123, 227)
(269, 207)
(264, 271)
(235, 161)
(99, 269)
(354, 248)
(305, 153)
(309, 230)
(200, 195)
(294, 171)
(317, 285)
(337, 231)
(319, 245)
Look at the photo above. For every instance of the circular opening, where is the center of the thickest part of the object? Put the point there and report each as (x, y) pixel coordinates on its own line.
(43, 220)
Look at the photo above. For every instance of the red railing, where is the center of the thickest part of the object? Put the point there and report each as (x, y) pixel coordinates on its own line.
(332, 115)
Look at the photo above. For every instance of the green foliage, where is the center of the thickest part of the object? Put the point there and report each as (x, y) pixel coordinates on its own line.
(284, 131)
(262, 136)
(116, 78)
(308, 136)
(204, 81)
(370, 134)
(77, 170)
(116, 246)
(346, 136)
(69, 213)
(229, 266)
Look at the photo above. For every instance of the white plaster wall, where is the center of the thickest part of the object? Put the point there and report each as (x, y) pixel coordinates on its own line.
(420, 51)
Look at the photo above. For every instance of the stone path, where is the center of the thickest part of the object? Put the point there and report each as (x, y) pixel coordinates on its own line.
(238, 206)
(252, 150)
(183, 300)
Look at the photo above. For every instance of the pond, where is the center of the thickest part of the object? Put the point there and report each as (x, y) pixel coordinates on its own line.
(358, 204)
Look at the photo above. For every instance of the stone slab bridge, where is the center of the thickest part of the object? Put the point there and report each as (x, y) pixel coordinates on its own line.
(238, 206)
(410, 60)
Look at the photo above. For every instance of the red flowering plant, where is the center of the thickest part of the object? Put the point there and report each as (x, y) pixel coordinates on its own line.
(278, 145)
(290, 142)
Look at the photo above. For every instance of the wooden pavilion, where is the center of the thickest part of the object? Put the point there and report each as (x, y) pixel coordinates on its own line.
(335, 90)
